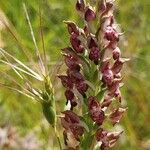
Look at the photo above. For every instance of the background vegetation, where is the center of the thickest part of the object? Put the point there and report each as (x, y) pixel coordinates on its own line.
(133, 17)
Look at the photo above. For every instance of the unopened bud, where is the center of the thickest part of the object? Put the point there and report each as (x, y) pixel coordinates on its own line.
(72, 27)
(80, 5)
(94, 55)
(76, 44)
(89, 14)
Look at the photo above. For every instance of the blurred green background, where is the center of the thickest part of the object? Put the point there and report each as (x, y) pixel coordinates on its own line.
(133, 17)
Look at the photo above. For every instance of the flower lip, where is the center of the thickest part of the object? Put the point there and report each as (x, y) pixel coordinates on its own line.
(66, 81)
(96, 113)
(111, 34)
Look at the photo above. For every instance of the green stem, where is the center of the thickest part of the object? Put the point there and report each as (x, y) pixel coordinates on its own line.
(88, 142)
(55, 129)
(92, 144)
(58, 138)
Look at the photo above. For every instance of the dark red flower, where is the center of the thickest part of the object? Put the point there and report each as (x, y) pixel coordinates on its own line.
(116, 115)
(82, 87)
(72, 122)
(110, 34)
(72, 28)
(72, 62)
(108, 76)
(76, 44)
(91, 42)
(92, 102)
(101, 134)
(94, 54)
(105, 7)
(75, 76)
(65, 137)
(117, 95)
(109, 6)
(113, 137)
(77, 131)
(96, 113)
(69, 95)
(116, 53)
(105, 65)
(66, 81)
(71, 117)
(116, 68)
(80, 5)
(107, 101)
(102, 6)
(112, 88)
(89, 14)
(108, 139)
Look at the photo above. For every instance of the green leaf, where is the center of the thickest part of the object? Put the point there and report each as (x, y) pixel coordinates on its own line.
(100, 94)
